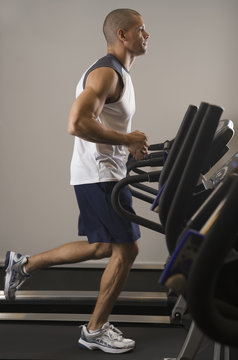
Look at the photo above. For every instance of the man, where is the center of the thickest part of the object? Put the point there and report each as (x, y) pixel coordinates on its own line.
(100, 121)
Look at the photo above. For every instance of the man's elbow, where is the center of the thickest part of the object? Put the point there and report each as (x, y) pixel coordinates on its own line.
(76, 129)
(71, 129)
(73, 126)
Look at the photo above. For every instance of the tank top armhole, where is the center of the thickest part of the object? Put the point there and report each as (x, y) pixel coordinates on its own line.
(107, 61)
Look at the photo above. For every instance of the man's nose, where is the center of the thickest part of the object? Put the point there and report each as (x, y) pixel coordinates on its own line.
(146, 35)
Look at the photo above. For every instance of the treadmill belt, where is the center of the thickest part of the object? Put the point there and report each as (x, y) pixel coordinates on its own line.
(58, 341)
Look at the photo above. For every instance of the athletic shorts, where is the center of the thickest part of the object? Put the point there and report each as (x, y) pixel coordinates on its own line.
(98, 220)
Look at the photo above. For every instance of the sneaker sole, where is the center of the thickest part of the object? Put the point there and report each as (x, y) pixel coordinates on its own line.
(8, 265)
(92, 346)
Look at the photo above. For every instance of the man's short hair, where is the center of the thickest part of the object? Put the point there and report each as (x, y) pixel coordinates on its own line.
(118, 19)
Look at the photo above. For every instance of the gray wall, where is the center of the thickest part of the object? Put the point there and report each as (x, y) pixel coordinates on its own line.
(45, 47)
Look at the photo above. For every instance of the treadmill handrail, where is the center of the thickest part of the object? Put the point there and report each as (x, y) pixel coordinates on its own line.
(151, 161)
(178, 141)
(152, 176)
(185, 139)
(182, 198)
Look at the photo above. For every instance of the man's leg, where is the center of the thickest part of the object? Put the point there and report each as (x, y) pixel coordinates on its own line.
(112, 282)
(18, 267)
(68, 254)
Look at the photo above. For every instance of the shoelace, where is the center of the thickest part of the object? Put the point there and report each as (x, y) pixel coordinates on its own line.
(113, 333)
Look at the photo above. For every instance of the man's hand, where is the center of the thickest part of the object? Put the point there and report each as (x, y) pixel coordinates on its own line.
(137, 144)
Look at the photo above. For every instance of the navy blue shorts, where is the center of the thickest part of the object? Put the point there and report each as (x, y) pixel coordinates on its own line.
(98, 220)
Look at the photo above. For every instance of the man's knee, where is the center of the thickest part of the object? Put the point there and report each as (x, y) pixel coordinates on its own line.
(134, 250)
(102, 250)
(126, 252)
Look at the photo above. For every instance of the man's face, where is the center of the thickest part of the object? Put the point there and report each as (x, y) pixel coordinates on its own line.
(136, 37)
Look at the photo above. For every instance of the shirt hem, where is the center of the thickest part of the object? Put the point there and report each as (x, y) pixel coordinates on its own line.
(94, 181)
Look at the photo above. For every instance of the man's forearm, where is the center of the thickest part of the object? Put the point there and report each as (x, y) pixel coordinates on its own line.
(97, 133)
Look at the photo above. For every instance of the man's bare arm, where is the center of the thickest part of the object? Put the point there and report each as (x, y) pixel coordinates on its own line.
(101, 85)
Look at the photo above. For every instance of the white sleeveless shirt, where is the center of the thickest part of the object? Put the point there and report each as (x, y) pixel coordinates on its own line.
(93, 163)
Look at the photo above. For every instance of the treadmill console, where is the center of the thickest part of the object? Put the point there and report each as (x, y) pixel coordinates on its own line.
(229, 166)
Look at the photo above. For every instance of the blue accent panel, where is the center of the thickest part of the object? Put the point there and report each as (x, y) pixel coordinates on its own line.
(83, 346)
(156, 201)
(184, 265)
(165, 155)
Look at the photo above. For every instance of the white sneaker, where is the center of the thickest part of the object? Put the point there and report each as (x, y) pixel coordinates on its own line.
(108, 339)
(15, 275)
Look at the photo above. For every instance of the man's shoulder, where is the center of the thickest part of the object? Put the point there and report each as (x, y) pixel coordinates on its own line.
(105, 61)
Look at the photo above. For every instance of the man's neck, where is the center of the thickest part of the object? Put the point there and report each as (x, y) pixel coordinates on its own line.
(125, 58)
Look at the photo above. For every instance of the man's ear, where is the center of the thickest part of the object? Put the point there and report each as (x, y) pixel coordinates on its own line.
(121, 34)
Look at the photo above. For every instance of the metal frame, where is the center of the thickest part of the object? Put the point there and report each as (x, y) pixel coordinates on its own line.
(143, 319)
(86, 296)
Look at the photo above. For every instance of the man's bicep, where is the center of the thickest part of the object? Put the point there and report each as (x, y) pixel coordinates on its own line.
(85, 108)
(89, 103)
